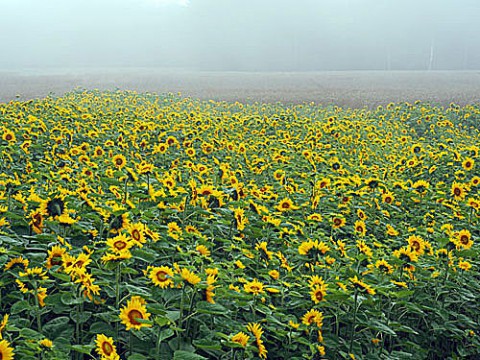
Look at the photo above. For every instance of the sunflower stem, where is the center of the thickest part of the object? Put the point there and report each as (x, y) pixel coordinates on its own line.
(117, 295)
(37, 304)
(355, 308)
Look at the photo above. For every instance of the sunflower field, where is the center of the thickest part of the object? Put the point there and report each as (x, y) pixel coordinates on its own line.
(138, 226)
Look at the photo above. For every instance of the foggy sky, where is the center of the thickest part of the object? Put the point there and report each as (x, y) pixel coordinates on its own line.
(244, 35)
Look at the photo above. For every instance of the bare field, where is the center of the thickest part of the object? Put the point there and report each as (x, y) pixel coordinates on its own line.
(343, 88)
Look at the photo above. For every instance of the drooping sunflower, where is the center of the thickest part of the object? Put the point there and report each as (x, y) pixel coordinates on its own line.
(37, 221)
(406, 254)
(257, 331)
(161, 276)
(17, 261)
(6, 351)
(384, 266)
(240, 338)
(106, 348)
(362, 286)
(190, 277)
(134, 311)
(54, 256)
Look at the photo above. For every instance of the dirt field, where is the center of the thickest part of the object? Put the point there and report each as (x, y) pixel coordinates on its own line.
(347, 89)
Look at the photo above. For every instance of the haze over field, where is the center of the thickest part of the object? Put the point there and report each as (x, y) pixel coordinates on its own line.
(247, 35)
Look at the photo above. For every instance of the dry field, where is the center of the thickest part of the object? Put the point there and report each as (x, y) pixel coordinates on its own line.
(346, 88)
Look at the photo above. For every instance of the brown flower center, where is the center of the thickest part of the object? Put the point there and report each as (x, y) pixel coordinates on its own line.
(133, 315)
(107, 348)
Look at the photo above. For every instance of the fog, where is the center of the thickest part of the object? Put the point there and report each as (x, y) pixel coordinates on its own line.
(241, 35)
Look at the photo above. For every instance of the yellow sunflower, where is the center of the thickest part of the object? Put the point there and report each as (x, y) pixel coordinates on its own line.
(105, 347)
(119, 161)
(6, 351)
(253, 287)
(190, 277)
(286, 204)
(240, 338)
(161, 276)
(133, 312)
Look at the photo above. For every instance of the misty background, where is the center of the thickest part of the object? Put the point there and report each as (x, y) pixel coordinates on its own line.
(241, 35)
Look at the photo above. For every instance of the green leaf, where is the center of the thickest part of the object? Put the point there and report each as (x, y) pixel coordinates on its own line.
(20, 306)
(186, 355)
(205, 307)
(137, 357)
(83, 349)
(165, 334)
(207, 344)
(101, 327)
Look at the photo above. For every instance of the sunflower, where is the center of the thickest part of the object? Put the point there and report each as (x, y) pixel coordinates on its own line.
(3, 324)
(417, 244)
(338, 222)
(384, 266)
(17, 261)
(37, 221)
(315, 217)
(406, 254)
(458, 190)
(137, 232)
(105, 347)
(391, 230)
(6, 352)
(54, 256)
(388, 198)
(464, 265)
(133, 312)
(203, 250)
(360, 285)
(313, 316)
(420, 187)
(286, 204)
(240, 338)
(257, 331)
(119, 243)
(119, 161)
(360, 228)
(46, 343)
(468, 164)
(364, 248)
(9, 136)
(190, 277)
(161, 276)
(318, 293)
(463, 239)
(253, 287)
(239, 218)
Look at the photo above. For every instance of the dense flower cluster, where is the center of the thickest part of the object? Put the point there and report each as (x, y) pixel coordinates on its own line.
(145, 226)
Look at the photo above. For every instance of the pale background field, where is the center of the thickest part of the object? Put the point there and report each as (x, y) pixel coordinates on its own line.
(343, 88)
